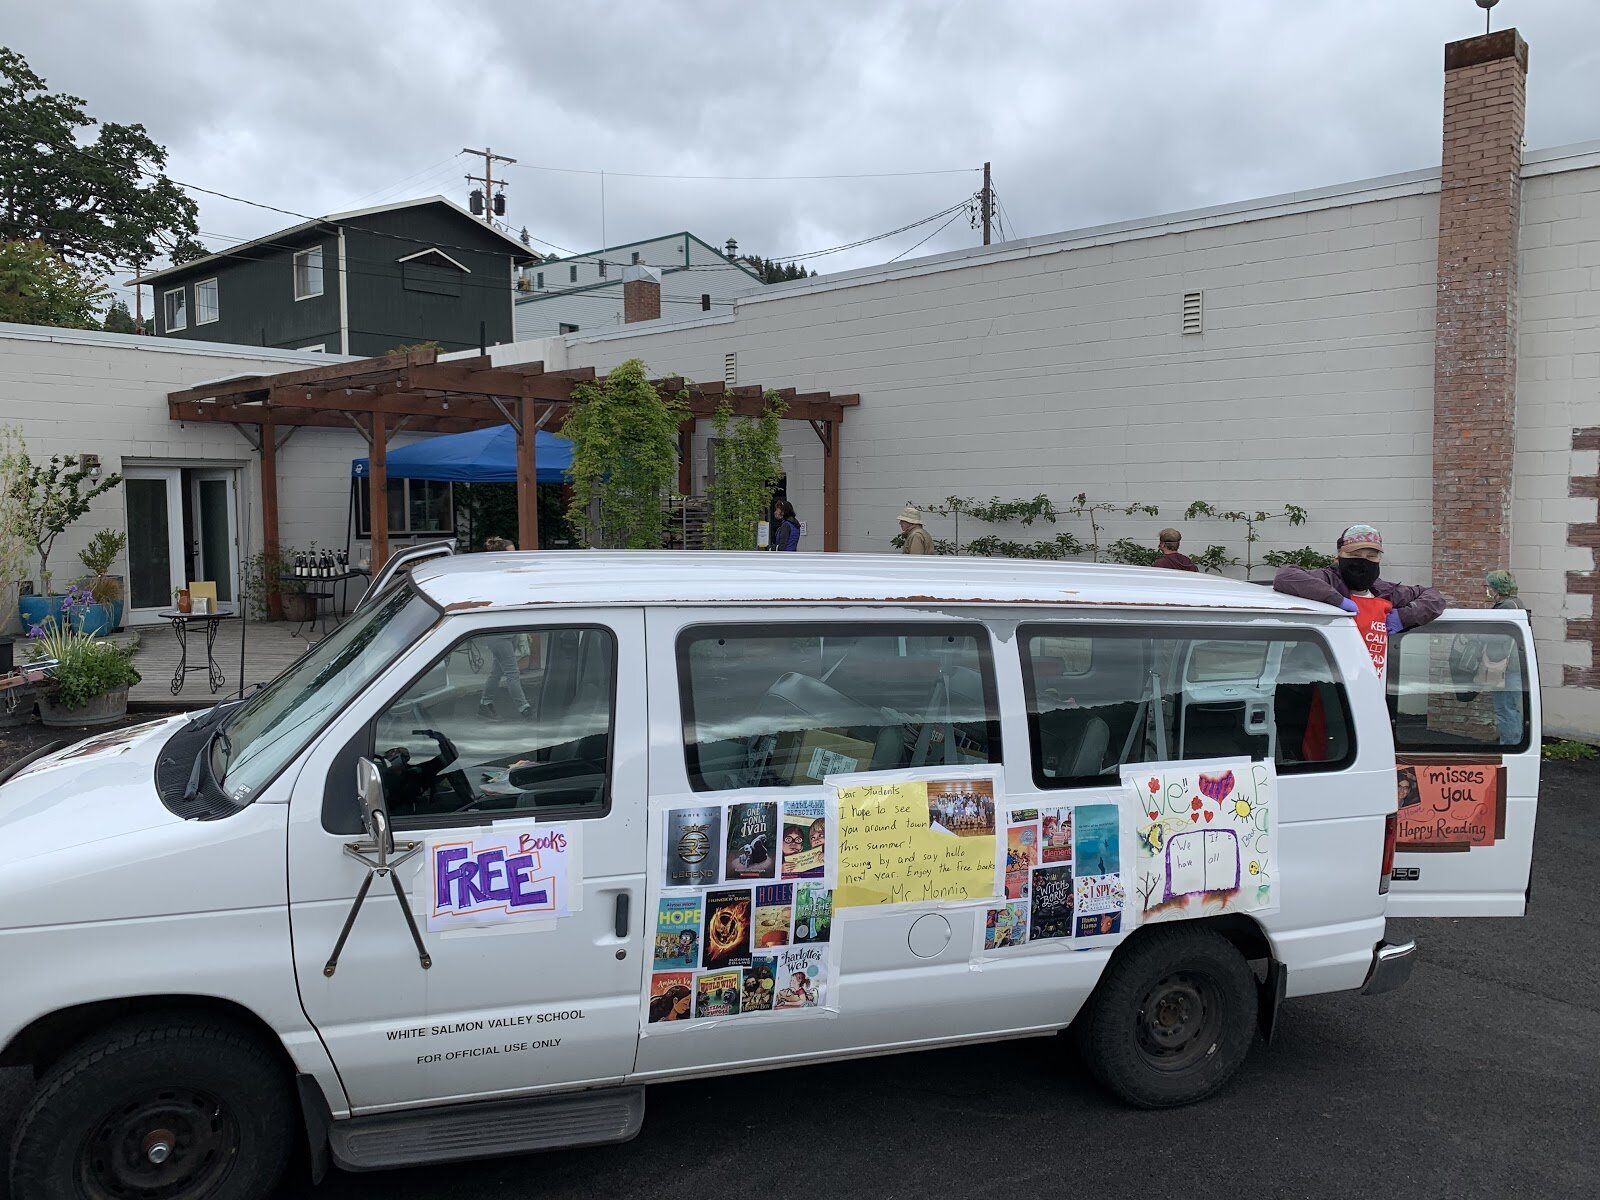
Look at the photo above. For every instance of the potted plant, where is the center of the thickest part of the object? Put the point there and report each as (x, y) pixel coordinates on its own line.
(43, 500)
(104, 612)
(272, 574)
(87, 679)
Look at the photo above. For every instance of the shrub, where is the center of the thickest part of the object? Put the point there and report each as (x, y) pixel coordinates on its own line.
(1568, 751)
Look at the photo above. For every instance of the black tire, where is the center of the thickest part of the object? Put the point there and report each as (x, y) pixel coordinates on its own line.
(1171, 1019)
(211, 1092)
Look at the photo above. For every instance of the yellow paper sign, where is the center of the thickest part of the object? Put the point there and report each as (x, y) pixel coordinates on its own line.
(915, 842)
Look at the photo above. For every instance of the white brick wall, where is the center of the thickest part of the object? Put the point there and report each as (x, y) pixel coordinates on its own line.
(90, 393)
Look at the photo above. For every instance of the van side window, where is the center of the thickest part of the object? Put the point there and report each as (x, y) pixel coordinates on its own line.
(512, 722)
(783, 705)
(1459, 686)
(1105, 696)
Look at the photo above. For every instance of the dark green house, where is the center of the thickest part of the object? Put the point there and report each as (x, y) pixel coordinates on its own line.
(357, 283)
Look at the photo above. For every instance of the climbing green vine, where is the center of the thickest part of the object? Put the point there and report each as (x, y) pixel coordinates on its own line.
(748, 461)
(624, 458)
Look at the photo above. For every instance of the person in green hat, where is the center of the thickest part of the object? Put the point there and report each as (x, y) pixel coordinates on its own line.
(1502, 673)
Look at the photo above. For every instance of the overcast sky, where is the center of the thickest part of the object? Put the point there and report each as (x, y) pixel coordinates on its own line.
(1090, 112)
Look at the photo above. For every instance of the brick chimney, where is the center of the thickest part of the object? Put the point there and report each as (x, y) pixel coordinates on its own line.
(1475, 319)
(641, 294)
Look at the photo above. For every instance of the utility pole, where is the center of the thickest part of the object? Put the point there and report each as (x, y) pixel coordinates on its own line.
(138, 297)
(492, 206)
(988, 203)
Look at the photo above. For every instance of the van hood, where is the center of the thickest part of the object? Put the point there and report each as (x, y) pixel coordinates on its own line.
(102, 787)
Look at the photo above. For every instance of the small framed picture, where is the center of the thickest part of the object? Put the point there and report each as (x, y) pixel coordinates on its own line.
(202, 605)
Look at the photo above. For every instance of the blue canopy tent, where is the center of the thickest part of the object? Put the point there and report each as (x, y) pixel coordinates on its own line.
(486, 455)
(476, 456)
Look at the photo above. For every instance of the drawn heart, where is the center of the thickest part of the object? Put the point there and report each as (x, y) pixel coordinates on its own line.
(1217, 786)
(1209, 816)
(1155, 816)
(1194, 816)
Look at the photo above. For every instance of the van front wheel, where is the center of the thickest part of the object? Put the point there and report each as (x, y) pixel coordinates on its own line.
(1171, 1019)
(157, 1110)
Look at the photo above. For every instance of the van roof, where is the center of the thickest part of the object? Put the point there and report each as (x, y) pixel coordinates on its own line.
(604, 577)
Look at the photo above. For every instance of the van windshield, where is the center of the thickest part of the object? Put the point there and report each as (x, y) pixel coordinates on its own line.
(277, 722)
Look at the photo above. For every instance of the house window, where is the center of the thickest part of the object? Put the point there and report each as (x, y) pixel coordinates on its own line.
(637, 259)
(175, 309)
(602, 268)
(205, 302)
(539, 281)
(572, 273)
(416, 506)
(565, 327)
(308, 273)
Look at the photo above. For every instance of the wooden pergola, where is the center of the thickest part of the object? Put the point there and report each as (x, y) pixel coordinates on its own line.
(413, 391)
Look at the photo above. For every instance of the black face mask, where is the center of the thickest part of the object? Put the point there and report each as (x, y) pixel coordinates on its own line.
(1359, 574)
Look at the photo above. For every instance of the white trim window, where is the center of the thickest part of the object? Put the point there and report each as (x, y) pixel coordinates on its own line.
(308, 273)
(206, 308)
(174, 310)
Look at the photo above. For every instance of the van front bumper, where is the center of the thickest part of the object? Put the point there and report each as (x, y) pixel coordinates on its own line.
(1391, 967)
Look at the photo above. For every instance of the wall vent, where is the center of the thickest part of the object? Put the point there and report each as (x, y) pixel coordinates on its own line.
(1193, 312)
(730, 369)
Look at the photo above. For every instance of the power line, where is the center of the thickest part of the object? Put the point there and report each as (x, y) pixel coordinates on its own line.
(934, 234)
(749, 178)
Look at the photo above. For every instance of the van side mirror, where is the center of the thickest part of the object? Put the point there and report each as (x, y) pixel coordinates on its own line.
(374, 806)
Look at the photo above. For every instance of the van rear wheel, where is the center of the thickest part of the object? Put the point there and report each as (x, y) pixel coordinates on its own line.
(1172, 1018)
(157, 1110)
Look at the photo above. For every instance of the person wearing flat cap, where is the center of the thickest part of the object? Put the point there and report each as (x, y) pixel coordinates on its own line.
(1355, 574)
(918, 540)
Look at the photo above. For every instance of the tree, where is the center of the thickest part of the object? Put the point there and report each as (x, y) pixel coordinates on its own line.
(624, 458)
(44, 499)
(38, 288)
(101, 206)
(749, 460)
(119, 319)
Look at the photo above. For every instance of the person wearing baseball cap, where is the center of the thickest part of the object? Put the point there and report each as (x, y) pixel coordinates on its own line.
(1355, 574)
(918, 540)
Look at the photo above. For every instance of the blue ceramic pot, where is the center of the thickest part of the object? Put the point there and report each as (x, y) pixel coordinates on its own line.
(95, 620)
(35, 610)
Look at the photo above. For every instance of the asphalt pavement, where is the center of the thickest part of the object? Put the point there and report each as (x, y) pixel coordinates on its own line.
(1481, 1077)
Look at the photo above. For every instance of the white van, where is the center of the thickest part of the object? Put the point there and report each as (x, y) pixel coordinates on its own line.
(221, 933)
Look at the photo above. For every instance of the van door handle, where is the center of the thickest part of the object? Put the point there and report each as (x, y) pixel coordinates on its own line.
(623, 900)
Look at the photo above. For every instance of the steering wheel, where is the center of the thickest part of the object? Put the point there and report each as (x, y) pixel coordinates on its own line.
(457, 779)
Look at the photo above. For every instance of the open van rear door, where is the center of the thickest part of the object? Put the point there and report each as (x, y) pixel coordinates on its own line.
(1464, 701)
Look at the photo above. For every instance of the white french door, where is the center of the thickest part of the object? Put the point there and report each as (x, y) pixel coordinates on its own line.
(214, 525)
(153, 500)
(183, 524)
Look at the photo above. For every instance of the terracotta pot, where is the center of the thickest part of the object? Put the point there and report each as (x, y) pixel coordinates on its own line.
(102, 710)
(297, 606)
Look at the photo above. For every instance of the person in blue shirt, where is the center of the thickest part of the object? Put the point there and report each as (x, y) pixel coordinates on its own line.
(785, 527)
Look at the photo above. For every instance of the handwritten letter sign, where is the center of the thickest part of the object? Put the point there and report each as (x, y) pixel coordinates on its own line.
(916, 841)
(496, 875)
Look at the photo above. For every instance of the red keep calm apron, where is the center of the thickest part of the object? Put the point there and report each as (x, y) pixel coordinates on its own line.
(1372, 618)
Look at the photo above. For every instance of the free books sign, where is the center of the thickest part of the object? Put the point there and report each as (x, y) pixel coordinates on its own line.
(491, 876)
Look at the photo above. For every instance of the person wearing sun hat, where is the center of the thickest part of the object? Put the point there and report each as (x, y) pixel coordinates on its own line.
(918, 540)
(1354, 576)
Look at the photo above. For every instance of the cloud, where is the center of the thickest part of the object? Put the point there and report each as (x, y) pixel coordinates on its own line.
(1089, 113)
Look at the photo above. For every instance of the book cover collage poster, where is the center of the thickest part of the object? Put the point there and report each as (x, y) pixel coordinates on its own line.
(1064, 878)
(743, 913)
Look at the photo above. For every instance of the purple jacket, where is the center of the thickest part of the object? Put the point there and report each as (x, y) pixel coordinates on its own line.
(1416, 605)
(788, 535)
